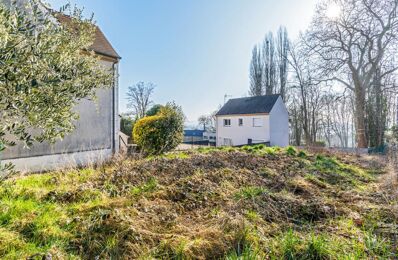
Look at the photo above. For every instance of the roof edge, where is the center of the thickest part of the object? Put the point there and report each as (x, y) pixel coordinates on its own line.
(250, 114)
(118, 58)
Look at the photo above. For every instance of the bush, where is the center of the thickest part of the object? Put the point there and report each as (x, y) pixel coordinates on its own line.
(302, 154)
(162, 132)
(290, 150)
(154, 110)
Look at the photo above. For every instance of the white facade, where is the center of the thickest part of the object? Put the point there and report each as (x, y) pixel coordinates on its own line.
(95, 139)
(272, 128)
(96, 135)
(235, 134)
(210, 136)
(58, 161)
(279, 124)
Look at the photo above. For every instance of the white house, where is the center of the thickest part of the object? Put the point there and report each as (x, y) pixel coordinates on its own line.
(96, 137)
(251, 120)
(210, 136)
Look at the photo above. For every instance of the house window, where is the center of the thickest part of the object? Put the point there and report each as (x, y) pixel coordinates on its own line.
(257, 122)
(227, 142)
(227, 122)
(240, 121)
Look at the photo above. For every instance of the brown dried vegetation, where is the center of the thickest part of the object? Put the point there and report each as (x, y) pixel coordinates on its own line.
(247, 203)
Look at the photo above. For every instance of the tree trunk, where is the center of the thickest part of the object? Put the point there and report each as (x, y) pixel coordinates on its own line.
(360, 116)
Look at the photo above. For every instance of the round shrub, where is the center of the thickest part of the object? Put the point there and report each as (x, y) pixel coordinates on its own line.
(162, 132)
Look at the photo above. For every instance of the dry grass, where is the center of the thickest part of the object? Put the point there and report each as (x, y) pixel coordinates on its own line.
(247, 203)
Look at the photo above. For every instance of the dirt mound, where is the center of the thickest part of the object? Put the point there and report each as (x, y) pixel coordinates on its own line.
(195, 196)
(251, 202)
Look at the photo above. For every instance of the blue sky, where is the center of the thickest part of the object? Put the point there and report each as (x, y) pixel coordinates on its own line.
(195, 51)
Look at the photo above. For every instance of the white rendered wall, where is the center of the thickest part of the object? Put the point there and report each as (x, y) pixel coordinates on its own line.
(60, 161)
(241, 134)
(116, 117)
(279, 124)
(91, 142)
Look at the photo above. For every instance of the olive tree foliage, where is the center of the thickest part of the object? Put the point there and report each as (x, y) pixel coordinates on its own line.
(356, 48)
(45, 69)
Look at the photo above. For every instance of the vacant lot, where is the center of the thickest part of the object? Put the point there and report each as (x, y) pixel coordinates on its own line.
(247, 203)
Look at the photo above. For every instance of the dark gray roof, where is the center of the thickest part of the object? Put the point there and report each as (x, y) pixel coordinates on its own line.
(249, 105)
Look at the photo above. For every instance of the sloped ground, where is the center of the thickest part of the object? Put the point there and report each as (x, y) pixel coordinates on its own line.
(247, 203)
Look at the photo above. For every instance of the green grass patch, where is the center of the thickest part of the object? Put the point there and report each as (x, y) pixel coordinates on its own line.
(253, 202)
(315, 180)
(176, 155)
(291, 151)
(249, 193)
(302, 154)
(247, 253)
(148, 187)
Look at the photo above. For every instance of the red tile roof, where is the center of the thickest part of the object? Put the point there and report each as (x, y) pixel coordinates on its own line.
(101, 44)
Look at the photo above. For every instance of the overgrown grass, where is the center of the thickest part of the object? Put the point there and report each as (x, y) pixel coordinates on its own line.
(146, 188)
(249, 193)
(253, 202)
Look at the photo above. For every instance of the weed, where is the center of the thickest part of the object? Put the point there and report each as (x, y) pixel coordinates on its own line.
(148, 187)
(302, 154)
(325, 163)
(176, 155)
(267, 172)
(248, 148)
(291, 151)
(207, 204)
(271, 151)
(290, 245)
(248, 253)
(311, 178)
(111, 189)
(253, 216)
(249, 193)
(377, 246)
(317, 247)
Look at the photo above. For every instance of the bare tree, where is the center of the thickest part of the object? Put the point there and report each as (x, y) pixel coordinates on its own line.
(282, 49)
(269, 67)
(296, 121)
(360, 40)
(309, 93)
(204, 121)
(139, 98)
(208, 121)
(256, 70)
(337, 118)
(301, 83)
